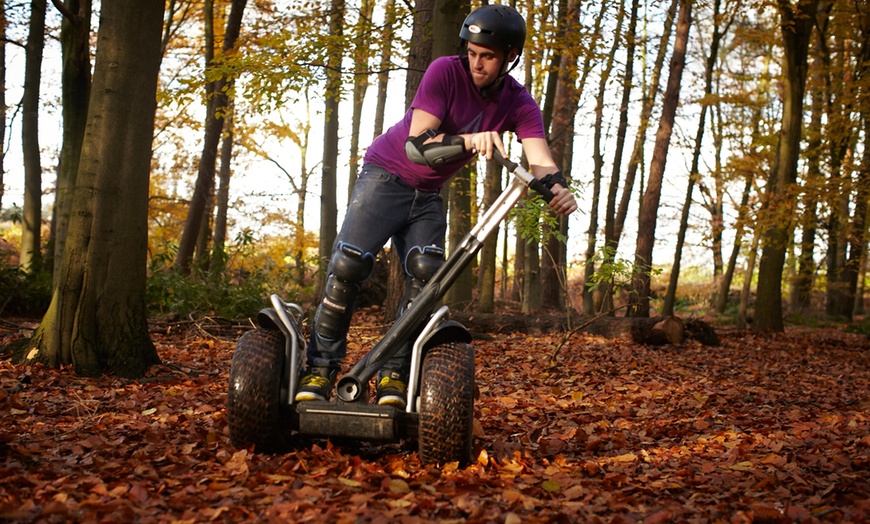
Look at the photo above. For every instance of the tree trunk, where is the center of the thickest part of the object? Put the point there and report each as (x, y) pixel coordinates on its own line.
(640, 285)
(329, 166)
(361, 55)
(223, 197)
(797, 23)
(204, 187)
(387, 37)
(75, 35)
(614, 219)
(32, 213)
(531, 277)
(565, 100)
(3, 23)
(419, 56)
(488, 253)
(460, 190)
(606, 296)
(97, 319)
(802, 286)
(716, 39)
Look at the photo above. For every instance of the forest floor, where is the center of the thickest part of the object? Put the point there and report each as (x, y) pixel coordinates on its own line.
(764, 428)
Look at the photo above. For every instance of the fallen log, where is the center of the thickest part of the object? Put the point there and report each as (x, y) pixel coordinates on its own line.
(652, 331)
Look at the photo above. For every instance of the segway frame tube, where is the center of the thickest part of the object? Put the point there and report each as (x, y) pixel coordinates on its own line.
(350, 387)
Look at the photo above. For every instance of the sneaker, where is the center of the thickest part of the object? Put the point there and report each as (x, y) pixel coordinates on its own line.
(392, 390)
(316, 385)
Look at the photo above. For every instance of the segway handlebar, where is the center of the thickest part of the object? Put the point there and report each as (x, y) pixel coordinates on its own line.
(527, 177)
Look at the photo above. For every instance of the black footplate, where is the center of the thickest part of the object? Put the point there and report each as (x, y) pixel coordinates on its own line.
(356, 421)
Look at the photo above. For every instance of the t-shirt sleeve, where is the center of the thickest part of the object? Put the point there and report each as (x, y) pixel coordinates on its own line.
(529, 123)
(433, 93)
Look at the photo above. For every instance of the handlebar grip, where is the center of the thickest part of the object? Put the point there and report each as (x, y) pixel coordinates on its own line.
(535, 184)
(508, 164)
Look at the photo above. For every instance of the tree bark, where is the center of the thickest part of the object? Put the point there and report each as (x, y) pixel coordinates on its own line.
(553, 266)
(361, 55)
(419, 56)
(387, 37)
(488, 254)
(204, 187)
(30, 255)
(75, 35)
(716, 39)
(640, 285)
(97, 319)
(3, 23)
(796, 26)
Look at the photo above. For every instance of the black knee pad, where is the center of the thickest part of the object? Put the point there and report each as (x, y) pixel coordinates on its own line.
(421, 265)
(422, 262)
(350, 267)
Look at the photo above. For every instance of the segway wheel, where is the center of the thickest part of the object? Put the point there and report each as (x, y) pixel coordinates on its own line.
(447, 404)
(256, 401)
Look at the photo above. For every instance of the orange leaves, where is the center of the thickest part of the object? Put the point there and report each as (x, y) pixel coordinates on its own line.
(763, 429)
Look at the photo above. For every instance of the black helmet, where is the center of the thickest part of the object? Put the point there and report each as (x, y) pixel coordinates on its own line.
(495, 25)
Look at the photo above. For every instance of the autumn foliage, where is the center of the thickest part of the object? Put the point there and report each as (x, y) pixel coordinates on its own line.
(762, 429)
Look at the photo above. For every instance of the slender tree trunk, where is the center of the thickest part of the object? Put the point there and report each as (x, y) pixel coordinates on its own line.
(802, 286)
(3, 23)
(361, 56)
(488, 254)
(639, 299)
(223, 197)
(565, 100)
(746, 291)
(387, 36)
(606, 298)
(694, 175)
(32, 213)
(204, 187)
(97, 319)
(797, 23)
(615, 217)
(588, 299)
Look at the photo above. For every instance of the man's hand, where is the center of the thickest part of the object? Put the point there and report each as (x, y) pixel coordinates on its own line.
(563, 200)
(484, 143)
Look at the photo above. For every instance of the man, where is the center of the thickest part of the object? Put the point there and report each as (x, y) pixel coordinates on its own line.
(462, 106)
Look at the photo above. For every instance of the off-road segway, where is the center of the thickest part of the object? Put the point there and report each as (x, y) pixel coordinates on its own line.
(268, 362)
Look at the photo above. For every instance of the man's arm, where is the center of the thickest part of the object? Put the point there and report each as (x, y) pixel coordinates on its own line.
(542, 164)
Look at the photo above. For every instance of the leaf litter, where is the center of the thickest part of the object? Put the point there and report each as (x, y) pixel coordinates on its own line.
(765, 428)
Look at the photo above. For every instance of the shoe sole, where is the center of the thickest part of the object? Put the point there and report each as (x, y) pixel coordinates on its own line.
(392, 400)
(306, 396)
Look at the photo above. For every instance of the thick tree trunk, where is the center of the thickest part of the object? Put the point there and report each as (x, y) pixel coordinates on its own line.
(447, 20)
(97, 319)
(640, 285)
(797, 23)
(32, 212)
(75, 92)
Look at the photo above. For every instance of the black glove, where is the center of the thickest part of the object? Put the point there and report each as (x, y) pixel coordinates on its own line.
(554, 178)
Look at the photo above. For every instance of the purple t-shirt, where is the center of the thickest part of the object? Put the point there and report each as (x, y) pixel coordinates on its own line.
(447, 92)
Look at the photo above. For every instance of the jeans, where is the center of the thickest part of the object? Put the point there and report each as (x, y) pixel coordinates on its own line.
(382, 207)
